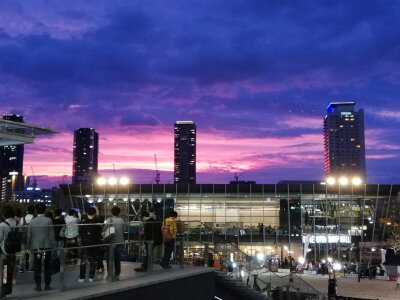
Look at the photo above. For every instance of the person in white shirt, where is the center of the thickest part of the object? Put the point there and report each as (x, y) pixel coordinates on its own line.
(72, 235)
(5, 228)
(26, 261)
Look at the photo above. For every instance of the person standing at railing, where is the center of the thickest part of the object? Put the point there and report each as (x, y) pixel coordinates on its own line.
(156, 235)
(147, 228)
(119, 226)
(40, 241)
(90, 233)
(169, 230)
(26, 261)
(8, 258)
(72, 235)
(59, 223)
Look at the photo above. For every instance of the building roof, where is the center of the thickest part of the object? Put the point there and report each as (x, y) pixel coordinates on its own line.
(17, 133)
(184, 122)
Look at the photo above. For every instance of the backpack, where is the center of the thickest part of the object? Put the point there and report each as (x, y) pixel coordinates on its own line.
(180, 226)
(166, 233)
(12, 242)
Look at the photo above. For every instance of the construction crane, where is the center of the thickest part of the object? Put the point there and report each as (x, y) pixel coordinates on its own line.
(236, 176)
(33, 176)
(157, 178)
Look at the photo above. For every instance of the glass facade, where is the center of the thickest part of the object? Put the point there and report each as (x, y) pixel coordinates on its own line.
(313, 220)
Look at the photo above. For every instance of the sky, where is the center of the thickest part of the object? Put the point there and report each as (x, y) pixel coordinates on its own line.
(255, 76)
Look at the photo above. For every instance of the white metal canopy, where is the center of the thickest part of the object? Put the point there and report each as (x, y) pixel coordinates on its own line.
(17, 133)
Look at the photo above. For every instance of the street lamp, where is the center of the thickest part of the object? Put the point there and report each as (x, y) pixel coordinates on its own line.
(124, 180)
(343, 180)
(331, 180)
(101, 181)
(112, 181)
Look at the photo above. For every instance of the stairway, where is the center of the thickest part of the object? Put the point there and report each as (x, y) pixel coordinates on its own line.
(238, 287)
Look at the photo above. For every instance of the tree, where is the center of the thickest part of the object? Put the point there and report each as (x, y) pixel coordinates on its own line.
(394, 241)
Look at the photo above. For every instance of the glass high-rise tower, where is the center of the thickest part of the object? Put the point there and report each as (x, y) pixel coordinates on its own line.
(12, 157)
(344, 141)
(11, 165)
(185, 152)
(85, 160)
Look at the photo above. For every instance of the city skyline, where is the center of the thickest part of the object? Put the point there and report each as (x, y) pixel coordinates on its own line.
(257, 90)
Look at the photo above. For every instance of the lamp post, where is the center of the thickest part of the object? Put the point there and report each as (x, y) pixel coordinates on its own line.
(112, 181)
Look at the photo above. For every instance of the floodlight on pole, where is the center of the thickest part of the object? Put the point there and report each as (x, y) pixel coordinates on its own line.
(112, 181)
(124, 180)
(356, 181)
(343, 180)
(101, 181)
(331, 180)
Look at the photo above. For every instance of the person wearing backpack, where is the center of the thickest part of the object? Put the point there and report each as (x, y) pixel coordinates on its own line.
(119, 226)
(8, 237)
(90, 233)
(169, 231)
(41, 241)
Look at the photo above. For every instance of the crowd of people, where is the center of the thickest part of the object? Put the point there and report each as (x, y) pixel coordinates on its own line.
(33, 240)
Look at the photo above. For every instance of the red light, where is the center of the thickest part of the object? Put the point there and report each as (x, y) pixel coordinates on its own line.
(289, 199)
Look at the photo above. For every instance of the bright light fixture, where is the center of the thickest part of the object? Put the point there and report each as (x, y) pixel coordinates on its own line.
(323, 261)
(285, 248)
(112, 180)
(124, 180)
(343, 180)
(234, 265)
(356, 181)
(331, 180)
(301, 260)
(101, 181)
(329, 259)
(260, 256)
(337, 266)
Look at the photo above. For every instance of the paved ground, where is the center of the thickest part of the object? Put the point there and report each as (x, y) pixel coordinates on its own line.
(347, 287)
(24, 287)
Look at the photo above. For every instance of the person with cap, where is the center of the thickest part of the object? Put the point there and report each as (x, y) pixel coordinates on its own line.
(40, 241)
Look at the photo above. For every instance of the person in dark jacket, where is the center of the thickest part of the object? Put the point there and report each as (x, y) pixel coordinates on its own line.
(101, 251)
(58, 223)
(90, 233)
(148, 235)
(157, 235)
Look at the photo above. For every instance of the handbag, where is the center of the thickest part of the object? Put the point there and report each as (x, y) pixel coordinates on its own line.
(62, 232)
(109, 233)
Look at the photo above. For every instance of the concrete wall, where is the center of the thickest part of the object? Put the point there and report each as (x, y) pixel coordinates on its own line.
(200, 287)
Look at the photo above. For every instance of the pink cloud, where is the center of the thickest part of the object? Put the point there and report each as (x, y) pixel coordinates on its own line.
(134, 149)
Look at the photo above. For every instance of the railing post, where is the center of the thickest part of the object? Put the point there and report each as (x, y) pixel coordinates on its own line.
(150, 256)
(205, 255)
(110, 262)
(181, 252)
(269, 289)
(62, 269)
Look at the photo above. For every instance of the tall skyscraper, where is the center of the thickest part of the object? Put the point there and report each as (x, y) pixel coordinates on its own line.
(344, 141)
(86, 148)
(12, 157)
(185, 152)
(11, 164)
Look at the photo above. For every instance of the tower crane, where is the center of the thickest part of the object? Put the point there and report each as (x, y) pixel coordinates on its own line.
(157, 178)
(236, 176)
(33, 176)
